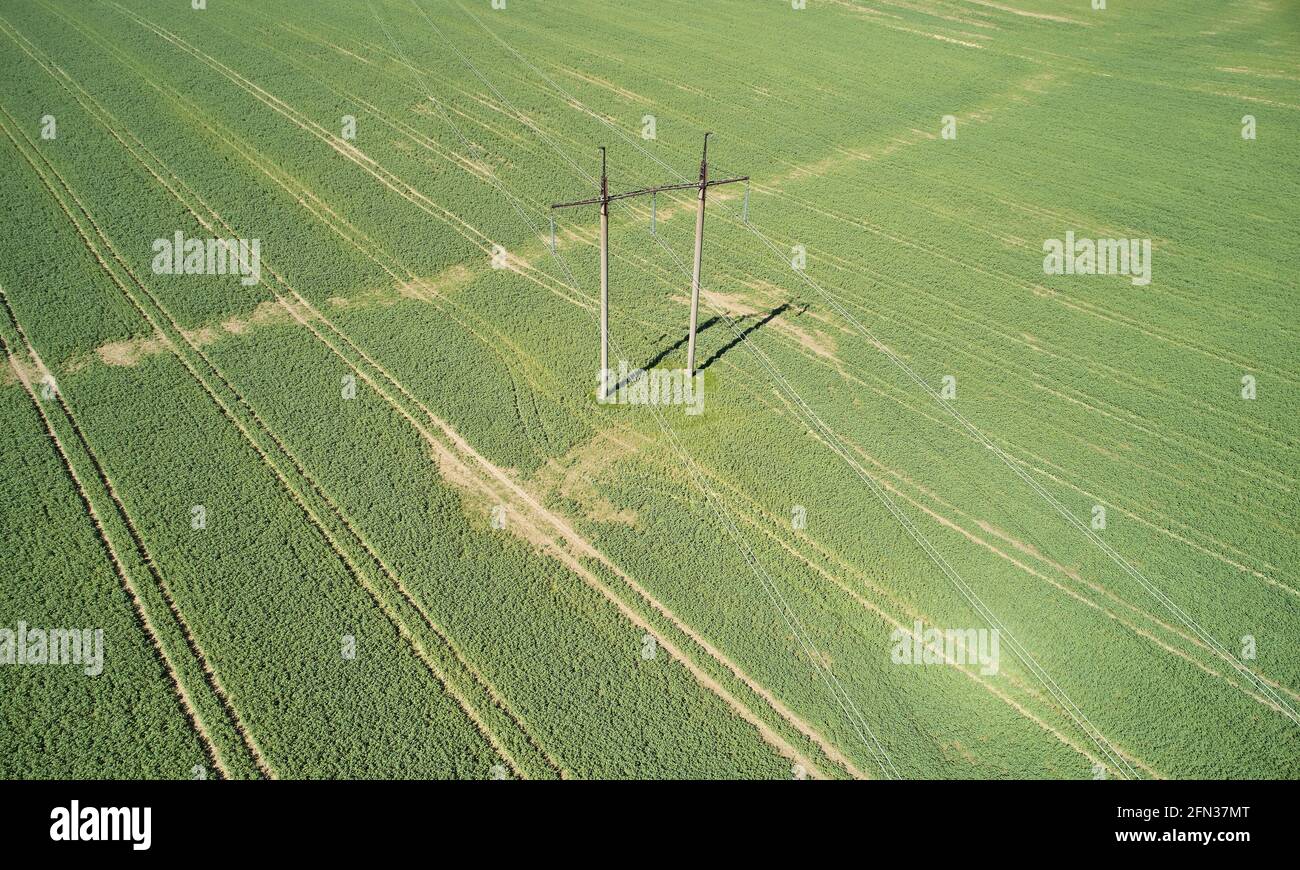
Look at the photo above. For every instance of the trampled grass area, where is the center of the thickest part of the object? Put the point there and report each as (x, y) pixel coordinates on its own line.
(426, 550)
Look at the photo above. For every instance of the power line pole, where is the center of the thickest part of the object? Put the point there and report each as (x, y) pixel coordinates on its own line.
(699, 251)
(704, 184)
(604, 278)
(603, 200)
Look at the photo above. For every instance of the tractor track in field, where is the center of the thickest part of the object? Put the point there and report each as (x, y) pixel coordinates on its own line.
(1099, 368)
(1113, 373)
(707, 681)
(1201, 548)
(139, 608)
(388, 55)
(389, 179)
(347, 560)
(1132, 627)
(768, 523)
(522, 267)
(764, 525)
(891, 392)
(796, 200)
(1253, 469)
(419, 139)
(1097, 589)
(106, 119)
(338, 224)
(412, 137)
(1072, 593)
(565, 530)
(347, 150)
(1131, 423)
(1078, 306)
(493, 695)
(1236, 468)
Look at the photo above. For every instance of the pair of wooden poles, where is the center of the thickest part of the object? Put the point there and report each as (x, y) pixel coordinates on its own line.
(605, 198)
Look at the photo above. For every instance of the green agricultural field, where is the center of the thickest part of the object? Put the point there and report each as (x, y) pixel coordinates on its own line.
(990, 468)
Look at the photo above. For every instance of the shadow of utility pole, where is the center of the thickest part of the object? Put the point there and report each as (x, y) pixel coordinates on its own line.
(717, 354)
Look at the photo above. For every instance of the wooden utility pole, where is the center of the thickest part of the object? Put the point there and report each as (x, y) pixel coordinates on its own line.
(603, 200)
(604, 278)
(699, 251)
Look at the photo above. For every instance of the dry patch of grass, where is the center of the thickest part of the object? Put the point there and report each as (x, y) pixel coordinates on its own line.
(130, 351)
(576, 475)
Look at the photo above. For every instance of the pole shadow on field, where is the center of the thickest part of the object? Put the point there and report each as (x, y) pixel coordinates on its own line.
(744, 334)
(712, 321)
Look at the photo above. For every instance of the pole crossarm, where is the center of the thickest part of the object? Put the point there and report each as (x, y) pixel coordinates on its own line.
(690, 185)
